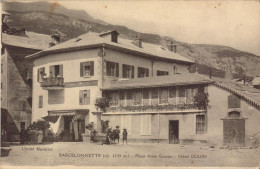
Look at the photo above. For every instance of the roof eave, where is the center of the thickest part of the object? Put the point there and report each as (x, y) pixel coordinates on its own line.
(156, 85)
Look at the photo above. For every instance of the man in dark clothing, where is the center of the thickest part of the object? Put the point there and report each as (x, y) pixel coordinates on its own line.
(117, 132)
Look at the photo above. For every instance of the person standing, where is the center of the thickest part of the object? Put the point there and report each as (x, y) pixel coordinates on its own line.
(117, 132)
(124, 136)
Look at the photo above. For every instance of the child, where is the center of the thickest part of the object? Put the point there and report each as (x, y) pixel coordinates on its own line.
(124, 136)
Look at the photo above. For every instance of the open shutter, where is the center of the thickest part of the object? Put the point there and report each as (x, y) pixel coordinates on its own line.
(107, 68)
(81, 69)
(92, 68)
(52, 70)
(124, 71)
(117, 69)
(81, 97)
(146, 72)
(88, 97)
(61, 70)
(133, 72)
(38, 75)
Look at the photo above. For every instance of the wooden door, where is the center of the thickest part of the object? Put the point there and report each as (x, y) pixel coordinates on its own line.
(174, 132)
(234, 132)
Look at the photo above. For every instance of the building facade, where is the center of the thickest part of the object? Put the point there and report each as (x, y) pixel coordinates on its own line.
(16, 81)
(151, 91)
(68, 78)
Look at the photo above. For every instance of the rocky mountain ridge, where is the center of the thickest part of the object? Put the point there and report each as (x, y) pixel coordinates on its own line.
(39, 17)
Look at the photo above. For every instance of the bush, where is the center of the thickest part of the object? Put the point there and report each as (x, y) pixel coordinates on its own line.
(102, 103)
(201, 100)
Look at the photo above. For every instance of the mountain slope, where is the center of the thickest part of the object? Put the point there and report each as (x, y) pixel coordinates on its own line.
(38, 17)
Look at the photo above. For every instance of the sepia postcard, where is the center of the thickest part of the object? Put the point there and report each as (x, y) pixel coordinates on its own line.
(125, 84)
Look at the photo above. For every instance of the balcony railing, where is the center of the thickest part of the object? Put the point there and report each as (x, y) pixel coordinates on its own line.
(53, 82)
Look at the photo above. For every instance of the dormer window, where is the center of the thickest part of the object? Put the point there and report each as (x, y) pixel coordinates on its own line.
(111, 35)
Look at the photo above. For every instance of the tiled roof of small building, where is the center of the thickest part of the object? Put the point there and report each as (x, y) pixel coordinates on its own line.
(31, 40)
(249, 93)
(93, 40)
(158, 81)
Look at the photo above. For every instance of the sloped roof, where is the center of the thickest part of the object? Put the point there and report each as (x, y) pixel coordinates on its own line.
(249, 93)
(31, 40)
(256, 81)
(158, 81)
(93, 40)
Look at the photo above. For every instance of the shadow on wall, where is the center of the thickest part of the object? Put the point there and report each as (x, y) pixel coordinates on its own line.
(9, 130)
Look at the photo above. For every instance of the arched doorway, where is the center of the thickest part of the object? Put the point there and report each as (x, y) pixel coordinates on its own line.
(234, 129)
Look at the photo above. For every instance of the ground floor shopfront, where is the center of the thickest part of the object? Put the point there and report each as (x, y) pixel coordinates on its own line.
(68, 125)
(169, 127)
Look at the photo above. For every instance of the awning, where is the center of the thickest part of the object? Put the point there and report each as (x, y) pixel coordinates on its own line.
(54, 115)
(79, 116)
(51, 119)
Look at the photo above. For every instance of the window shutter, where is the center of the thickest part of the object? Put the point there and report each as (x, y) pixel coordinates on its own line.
(145, 93)
(88, 97)
(154, 93)
(117, 69)
(81, 69)
(92, 68)
(82, 123)
(133, 72)
(61, 70)
(124, 71)
(146, 72)
(81, 97)
(38, 75)
(107, 68)
(52, 70)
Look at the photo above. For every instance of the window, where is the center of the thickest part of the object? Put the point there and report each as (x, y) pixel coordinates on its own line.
(200, 124)
(189, 95)
(55, 96)
(145, 124)
(137, 97)
(114, 97)
(181, 92)
(22, 105)
(172, 92)
(163, 96)
(40, 101)
(128, 71)
(84, 97)
(87, 69)
(114, 37)
(162, 73)
(41, 72)
(112, 69)
(143, 72)
(56, 71)
(233, 101)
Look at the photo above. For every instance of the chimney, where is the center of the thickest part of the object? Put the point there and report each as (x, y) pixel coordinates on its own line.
(137, 42)
(173, 47)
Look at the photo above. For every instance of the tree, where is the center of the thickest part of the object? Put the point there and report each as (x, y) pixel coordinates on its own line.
(201, 100)
(102, 103)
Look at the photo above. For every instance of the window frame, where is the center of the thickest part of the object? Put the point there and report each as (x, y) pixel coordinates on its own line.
(162, 73)
(201, 126)
(144, 71)
(84, 100)
(40, 103)
(115, 66)
(125, 69)
(91, 64)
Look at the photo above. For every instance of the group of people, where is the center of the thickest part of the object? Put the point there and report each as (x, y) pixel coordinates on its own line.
(112, 135)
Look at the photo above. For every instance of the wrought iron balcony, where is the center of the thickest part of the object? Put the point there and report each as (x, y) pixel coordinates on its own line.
(52, 82)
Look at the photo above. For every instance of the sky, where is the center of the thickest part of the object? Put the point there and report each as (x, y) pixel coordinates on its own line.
(230, 23)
